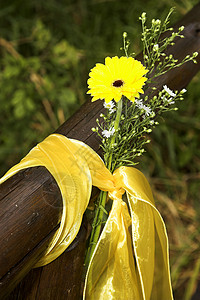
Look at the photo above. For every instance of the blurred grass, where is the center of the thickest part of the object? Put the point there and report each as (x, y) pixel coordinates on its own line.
(47, 49)
(172, 163)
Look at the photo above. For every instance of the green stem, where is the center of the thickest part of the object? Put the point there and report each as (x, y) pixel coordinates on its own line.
(96, 227)
(116, 126)
(100, 210)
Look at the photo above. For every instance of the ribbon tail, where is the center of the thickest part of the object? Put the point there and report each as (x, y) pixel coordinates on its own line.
(112, 273)
(149, 236)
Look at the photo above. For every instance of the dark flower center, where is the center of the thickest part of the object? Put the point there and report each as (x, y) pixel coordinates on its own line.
(118, 83)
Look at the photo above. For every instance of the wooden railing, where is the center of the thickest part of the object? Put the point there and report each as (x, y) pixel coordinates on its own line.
(31, 205)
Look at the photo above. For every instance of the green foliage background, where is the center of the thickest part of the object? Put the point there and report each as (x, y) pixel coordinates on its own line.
(47, 49)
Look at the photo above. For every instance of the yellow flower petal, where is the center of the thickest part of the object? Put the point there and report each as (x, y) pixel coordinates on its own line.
(118, 77)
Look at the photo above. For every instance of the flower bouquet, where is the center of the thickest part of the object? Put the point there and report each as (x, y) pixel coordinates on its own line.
(127, 253)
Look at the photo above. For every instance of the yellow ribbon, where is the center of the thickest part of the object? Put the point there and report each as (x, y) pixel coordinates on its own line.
(130, 260)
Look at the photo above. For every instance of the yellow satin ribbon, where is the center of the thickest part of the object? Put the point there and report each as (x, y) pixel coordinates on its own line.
(130, 260)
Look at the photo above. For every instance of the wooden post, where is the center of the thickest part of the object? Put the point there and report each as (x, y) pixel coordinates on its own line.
(31, 205)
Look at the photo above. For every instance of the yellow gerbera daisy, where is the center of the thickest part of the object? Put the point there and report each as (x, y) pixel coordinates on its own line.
(119, 76)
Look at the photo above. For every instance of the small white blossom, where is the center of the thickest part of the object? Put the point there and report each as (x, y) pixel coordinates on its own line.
(183, 91)
(108, 133)
(146, 109)
(155, 47)
(111, 110)
(139, 103)
(170, 92)
(110, 106)
(169, 100)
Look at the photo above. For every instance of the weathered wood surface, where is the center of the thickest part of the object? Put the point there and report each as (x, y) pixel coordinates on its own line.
(30, 202)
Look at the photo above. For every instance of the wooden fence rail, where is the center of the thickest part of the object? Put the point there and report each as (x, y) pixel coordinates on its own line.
(31, 205)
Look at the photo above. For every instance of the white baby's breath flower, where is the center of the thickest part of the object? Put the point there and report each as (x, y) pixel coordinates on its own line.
(155, 47)
(168, 100)
(139, 103)
(108, 133)
(110, 106)
(111, 110)
(146, 109)
(183, 91)
(170, 92)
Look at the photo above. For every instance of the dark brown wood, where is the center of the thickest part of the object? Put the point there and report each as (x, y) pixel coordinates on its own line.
(30, 202)
(22, 239)
(50, 282)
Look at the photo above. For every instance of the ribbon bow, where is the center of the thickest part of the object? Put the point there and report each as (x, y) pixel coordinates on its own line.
(130, 260)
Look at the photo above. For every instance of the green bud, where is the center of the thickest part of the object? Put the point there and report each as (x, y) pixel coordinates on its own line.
(143, 16)
(195, 54)
(125, 35)
(149, 130)
(157, 22)
(183, 91)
